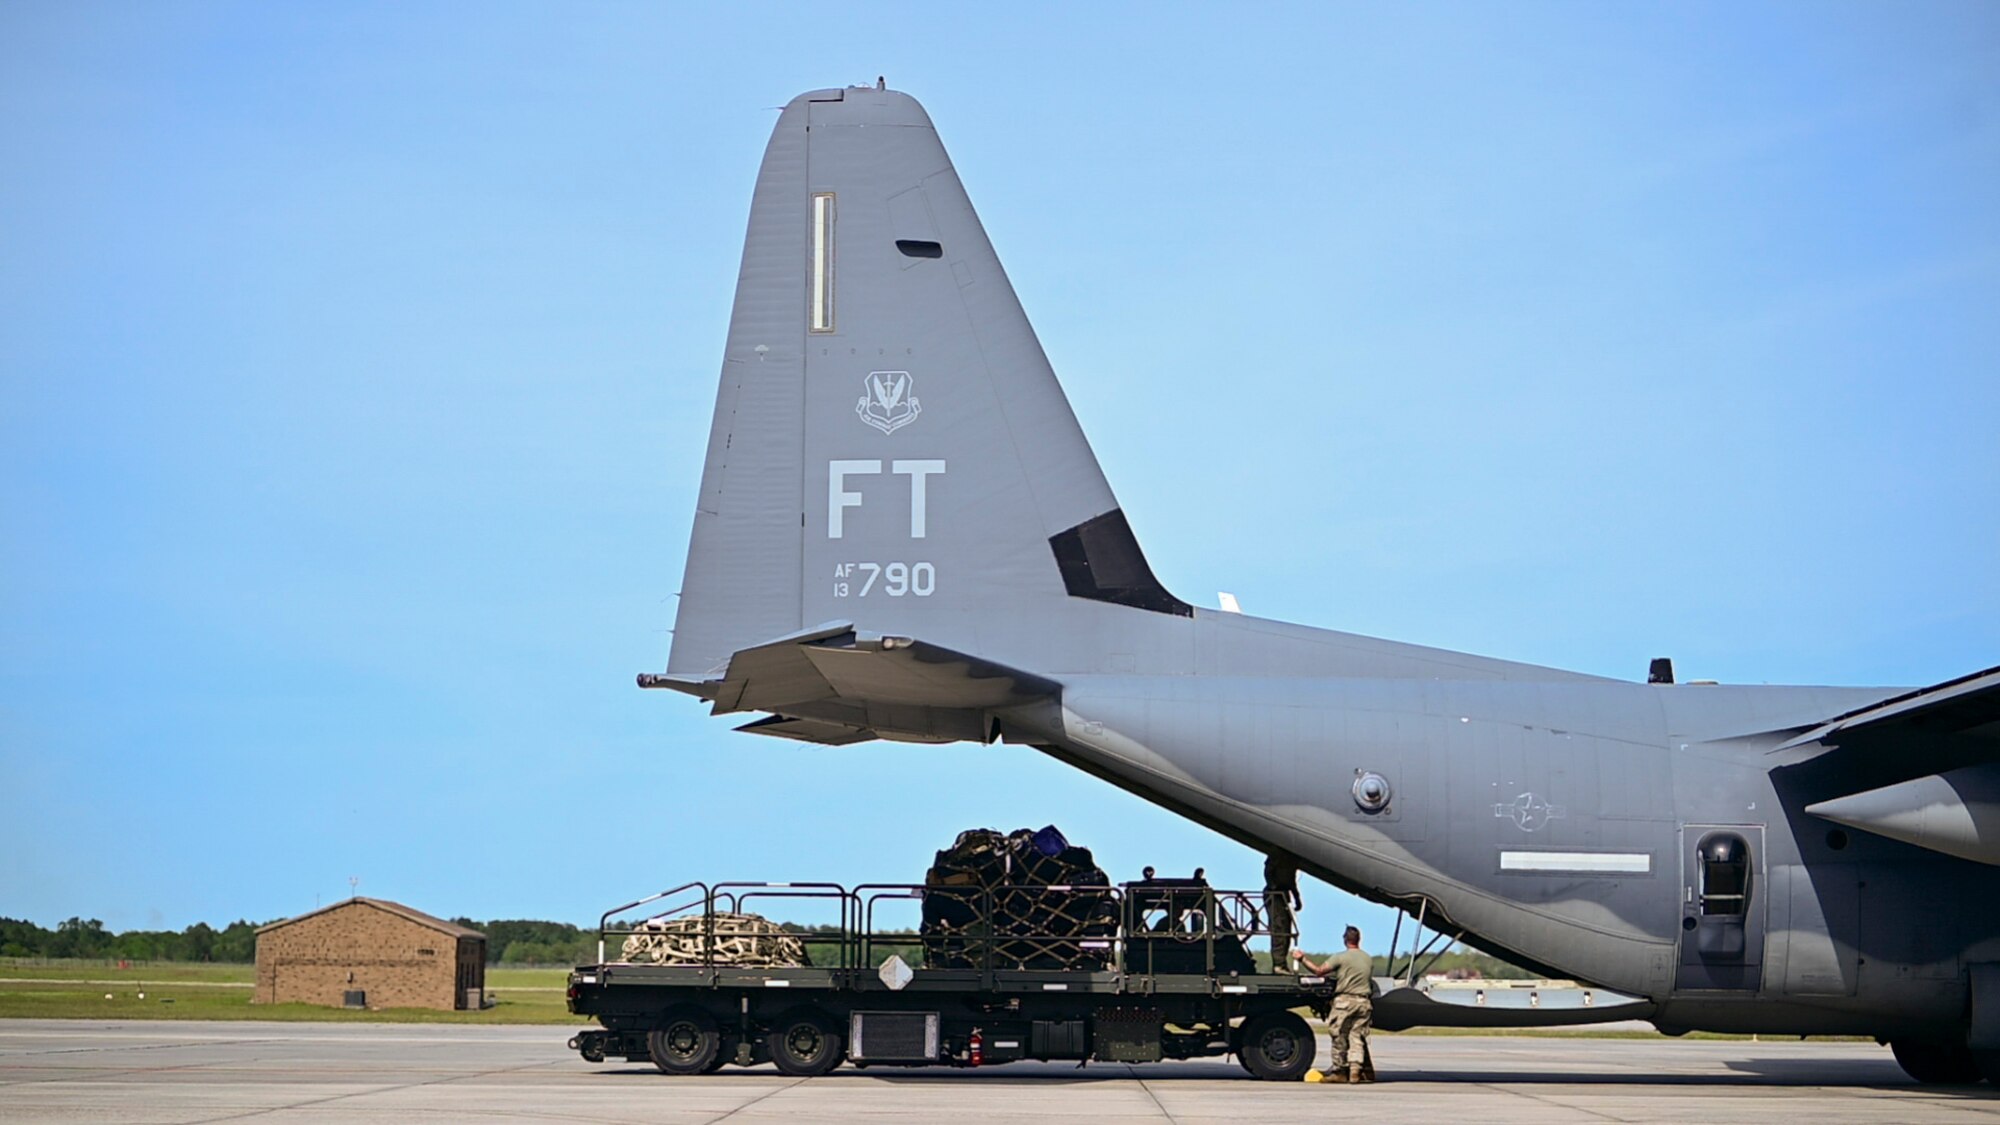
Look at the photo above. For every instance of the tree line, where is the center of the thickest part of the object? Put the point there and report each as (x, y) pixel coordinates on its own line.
(508, 941)
(87, 939)
(526, 941)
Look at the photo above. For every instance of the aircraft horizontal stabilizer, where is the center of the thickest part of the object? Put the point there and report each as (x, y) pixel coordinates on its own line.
(834, 685)
(1957, 813)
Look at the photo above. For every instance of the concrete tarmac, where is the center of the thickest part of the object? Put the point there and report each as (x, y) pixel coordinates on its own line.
(185, 1072)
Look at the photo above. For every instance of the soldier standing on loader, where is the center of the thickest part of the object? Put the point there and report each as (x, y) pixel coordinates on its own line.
(1353, 976)
(1281, 902)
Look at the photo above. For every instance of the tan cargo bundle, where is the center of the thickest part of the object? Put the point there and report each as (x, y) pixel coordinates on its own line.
(747, 940)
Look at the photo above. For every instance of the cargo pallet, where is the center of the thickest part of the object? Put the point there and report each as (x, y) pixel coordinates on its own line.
(1173, 980)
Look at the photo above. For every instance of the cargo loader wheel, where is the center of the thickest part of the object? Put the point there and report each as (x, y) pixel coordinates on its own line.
(805, 1042)
(686, 1041)
(1278, 1046)
(1936, 1063)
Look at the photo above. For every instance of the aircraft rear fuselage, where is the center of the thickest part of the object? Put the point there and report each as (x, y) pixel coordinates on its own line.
(1559, 822)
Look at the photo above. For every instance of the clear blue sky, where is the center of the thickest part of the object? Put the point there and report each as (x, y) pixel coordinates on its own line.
(358, 362)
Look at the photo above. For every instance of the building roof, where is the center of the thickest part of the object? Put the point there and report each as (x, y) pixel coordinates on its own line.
(397, 908)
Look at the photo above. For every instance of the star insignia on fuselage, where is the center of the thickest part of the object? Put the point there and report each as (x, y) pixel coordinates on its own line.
(1529, 812)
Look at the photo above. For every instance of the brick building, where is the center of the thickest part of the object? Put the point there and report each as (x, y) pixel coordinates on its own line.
(370, 952)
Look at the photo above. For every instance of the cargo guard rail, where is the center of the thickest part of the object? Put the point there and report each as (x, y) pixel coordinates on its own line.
(1155, 926)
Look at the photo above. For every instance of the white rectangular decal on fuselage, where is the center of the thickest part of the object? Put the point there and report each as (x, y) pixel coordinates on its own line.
(1577, 863)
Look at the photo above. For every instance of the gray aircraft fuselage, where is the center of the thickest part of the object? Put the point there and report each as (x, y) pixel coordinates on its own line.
(902, 534)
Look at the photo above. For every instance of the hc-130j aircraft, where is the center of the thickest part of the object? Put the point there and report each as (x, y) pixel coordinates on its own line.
(903, 534)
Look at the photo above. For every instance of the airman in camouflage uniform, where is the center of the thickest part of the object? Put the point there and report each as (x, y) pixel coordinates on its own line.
(1353, 976)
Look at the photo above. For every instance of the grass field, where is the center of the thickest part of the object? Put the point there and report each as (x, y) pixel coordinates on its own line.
(170, 991)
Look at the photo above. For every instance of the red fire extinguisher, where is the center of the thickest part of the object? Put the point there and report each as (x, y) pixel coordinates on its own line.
(975, 1048)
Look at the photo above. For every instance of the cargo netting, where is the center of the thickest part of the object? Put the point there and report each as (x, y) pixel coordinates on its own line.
(1019, 900)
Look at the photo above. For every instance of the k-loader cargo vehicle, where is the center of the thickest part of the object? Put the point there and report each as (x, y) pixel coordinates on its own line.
(1136, 972)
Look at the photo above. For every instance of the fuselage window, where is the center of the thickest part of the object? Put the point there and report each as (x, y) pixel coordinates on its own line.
(821, 297)
(1725, 874)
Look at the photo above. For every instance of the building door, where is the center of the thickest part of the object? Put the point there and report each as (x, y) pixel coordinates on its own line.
(1722, 908)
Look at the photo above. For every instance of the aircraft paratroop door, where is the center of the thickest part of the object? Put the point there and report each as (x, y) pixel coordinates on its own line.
(1722, 908)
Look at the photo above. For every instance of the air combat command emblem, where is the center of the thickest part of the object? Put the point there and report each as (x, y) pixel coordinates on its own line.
(888, 404)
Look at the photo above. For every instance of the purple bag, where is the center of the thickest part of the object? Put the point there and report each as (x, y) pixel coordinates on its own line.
(1050, 842)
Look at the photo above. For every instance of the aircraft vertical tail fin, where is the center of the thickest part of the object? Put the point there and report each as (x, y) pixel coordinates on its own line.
(890, 446)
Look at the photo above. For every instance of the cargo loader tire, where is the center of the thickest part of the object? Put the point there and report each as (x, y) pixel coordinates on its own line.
(805, 1043)
(686, 1042)
(1278, 1047)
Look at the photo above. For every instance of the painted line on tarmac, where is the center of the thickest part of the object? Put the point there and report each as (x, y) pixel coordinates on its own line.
(1133, 1071)
(142, 1047)
(120, 1072)
(1549, 1102)
(755, 1100)
(384, 1089)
